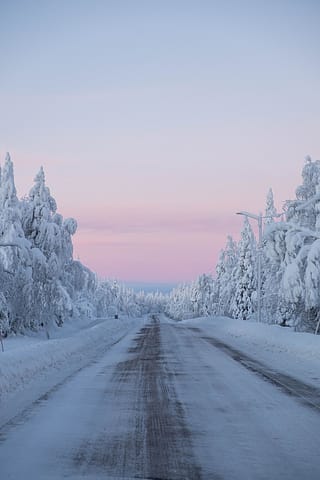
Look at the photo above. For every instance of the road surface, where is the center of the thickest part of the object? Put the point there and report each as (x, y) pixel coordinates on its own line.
(167, 402)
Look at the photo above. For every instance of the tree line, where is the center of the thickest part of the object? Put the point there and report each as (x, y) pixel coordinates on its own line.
(290, 273)
(40, 282)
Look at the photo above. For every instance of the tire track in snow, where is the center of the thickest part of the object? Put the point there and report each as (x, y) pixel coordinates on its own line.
(306, 394)
(155, 443)
(27, 412)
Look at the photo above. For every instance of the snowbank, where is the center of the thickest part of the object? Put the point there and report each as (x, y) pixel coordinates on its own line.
(28, 359)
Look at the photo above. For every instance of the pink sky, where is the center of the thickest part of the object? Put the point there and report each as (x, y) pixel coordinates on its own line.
(121, 236)
(156, 123)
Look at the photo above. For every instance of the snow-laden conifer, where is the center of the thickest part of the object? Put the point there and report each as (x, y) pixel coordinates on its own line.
(245, 274)
(224, 285)
(270, 210)
(292, 246)
(40, 282)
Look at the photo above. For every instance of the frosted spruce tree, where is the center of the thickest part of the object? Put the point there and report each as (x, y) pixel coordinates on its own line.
(40, 282)
(224, 285)
(270, 210)
(302, 211)
(271, 278)
(293, 247)
(43, 233)
(180, 303)
(191, 300)
(245, 274)
(15, 271)
(202, 296)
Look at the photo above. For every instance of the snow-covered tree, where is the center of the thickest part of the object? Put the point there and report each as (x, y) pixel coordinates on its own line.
(15, 270)
(224, 285)
(270, 211)
(270, 277)
(192, 300)
(40, 282)
(245, 274)
(302, 210)
(292, 246)
(202, 295)
(180, 302)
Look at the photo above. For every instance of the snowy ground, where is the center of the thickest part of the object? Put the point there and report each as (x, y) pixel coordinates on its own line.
(31, 364)
(297, 354)
(152, 398)
(31, 357)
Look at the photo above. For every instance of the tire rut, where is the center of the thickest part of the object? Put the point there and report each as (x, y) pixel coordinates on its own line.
(155, 442)
(305, 393)
(29, 411)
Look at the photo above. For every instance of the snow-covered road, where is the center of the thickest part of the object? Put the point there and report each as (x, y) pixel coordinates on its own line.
(167, 402)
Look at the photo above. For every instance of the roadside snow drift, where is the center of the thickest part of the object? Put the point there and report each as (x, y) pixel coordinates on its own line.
(28, 359)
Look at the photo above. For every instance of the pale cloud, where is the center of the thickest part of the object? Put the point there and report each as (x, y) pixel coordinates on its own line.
(147, 223)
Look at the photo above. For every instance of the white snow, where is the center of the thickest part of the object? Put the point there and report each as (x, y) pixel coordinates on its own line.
(294, 353)
(242, 427)
(32, 364)
(28, 359)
